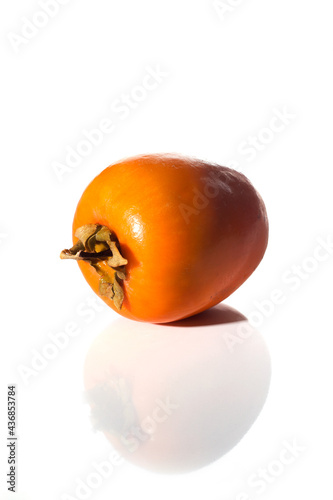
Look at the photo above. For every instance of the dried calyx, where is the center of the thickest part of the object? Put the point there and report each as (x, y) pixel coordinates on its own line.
(97, 245)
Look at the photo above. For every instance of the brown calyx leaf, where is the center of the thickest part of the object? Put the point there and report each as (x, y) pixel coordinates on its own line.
(97, 244)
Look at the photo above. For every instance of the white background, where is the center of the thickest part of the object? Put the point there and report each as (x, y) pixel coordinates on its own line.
(225, 75)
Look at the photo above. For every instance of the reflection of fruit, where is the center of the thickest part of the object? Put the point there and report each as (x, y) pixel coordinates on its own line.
(163, 237)
(175, 398)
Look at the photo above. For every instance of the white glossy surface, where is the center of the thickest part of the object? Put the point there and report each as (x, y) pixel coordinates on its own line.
(194, 390)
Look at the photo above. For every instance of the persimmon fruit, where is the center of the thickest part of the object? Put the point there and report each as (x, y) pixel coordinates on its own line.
(163, 237)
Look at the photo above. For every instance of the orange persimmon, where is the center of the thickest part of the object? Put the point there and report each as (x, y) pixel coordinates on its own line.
(163, 237)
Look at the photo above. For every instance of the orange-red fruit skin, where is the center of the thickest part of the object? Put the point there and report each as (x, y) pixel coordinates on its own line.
(192, 232)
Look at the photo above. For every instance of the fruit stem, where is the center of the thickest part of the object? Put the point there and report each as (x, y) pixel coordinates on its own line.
(97, 245)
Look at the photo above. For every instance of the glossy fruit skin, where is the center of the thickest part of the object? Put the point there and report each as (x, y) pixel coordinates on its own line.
(192, 232)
